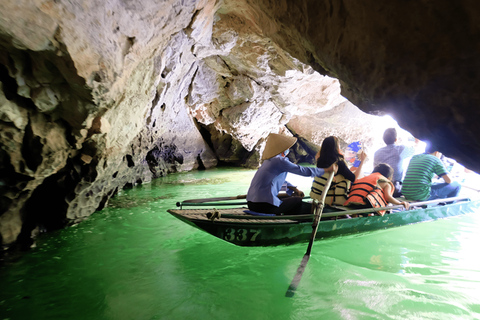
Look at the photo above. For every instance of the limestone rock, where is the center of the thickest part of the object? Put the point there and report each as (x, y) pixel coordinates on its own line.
(96, 96)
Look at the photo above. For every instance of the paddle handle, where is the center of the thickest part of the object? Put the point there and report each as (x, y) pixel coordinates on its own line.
(318, 214)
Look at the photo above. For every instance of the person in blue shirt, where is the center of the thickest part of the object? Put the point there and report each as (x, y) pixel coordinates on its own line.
(263, 192)
(394, 155)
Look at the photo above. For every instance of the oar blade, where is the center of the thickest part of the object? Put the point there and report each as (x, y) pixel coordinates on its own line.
(298, 276)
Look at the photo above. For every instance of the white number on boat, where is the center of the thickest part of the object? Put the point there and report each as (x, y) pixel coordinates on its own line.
(240, 234)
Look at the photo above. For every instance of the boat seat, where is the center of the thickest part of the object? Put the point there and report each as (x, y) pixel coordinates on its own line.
(254, 213)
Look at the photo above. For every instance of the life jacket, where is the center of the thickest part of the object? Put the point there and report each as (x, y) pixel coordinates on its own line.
(367, 191)
(338, 192)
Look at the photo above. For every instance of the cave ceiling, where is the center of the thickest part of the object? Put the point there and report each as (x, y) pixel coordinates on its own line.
(415, 60)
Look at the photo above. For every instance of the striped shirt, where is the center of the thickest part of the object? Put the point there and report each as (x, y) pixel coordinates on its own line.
(420, 172)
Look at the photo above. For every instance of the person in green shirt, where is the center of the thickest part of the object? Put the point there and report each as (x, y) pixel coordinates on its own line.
(418, 185)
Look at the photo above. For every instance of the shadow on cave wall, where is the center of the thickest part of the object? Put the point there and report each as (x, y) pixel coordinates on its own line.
(228, 151)
(46, 208)
(162, 159)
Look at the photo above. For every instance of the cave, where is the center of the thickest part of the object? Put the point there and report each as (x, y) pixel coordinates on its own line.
(125, 93)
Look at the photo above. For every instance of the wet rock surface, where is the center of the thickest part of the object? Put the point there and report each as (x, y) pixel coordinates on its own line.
(95, 97)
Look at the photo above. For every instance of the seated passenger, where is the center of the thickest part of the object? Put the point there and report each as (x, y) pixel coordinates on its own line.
(263, 192)
(330, 153)
(374, 190)
(417, 184)
(394, 155)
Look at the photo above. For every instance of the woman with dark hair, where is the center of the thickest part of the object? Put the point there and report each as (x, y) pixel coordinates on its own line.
(328, 154)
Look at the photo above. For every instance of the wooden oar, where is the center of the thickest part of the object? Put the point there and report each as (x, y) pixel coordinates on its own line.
(242, 196)
(208, 201)
(318, 214)
(252, 217)
(210, 204)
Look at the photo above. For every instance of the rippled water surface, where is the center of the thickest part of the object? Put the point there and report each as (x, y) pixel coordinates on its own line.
(133, 260)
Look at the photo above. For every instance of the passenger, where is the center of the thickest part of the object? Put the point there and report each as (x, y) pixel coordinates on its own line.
(417, 184)
(330, 153)
(263, 192)
(374, 190)
(394, 155)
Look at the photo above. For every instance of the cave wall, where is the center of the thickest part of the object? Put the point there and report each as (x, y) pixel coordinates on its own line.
(93, 100)
(415, 60)
(101, 95)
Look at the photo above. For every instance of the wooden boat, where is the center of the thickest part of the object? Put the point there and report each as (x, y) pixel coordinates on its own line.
(236, 226)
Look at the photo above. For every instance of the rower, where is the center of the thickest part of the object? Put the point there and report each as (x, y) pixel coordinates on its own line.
(263, 192)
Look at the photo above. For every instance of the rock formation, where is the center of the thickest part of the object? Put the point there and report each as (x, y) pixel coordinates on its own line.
(101, 95)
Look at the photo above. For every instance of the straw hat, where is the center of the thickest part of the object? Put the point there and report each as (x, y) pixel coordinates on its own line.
(277, 143)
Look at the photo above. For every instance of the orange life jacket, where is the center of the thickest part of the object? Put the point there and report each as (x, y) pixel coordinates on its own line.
(338, 192)
(366, 191)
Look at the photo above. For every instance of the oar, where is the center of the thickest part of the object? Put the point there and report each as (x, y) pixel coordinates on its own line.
(211, 204)
(193, 202)
(242, 196)
(318, 214)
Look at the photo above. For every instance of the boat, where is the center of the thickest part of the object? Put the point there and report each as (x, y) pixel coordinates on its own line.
(242, 227)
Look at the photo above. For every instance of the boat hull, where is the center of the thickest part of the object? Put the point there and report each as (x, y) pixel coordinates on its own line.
(253, 232)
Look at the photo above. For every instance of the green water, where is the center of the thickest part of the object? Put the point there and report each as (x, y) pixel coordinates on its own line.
(133, 260)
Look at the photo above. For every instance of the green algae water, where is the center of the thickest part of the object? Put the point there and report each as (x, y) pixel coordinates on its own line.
(133, 260)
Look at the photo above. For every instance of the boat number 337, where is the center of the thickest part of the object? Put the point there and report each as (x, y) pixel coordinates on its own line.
(232, 234)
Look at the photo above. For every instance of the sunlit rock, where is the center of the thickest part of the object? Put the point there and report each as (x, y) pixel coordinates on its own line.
(97, 96)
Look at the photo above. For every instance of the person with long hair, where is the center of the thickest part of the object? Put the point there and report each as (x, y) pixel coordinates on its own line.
(328, 154)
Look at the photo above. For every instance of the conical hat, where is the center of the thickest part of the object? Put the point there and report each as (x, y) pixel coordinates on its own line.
(277, 143)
